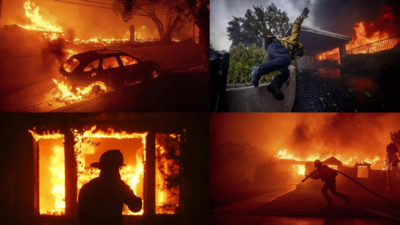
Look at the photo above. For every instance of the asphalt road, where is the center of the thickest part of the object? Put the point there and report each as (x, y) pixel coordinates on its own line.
(330, 90)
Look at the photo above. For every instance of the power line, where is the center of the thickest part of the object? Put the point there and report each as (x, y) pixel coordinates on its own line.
(75, 3)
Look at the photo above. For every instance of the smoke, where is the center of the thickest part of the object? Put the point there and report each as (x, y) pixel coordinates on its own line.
(54, 52)
(338, 16)
(343, 135)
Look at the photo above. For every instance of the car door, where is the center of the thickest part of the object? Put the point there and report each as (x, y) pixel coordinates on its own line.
(133, 67)
(112, 72)
(91, 71)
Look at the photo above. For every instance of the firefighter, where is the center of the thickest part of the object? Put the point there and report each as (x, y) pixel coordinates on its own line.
(328, 175)
(280, 53)
(101, 199)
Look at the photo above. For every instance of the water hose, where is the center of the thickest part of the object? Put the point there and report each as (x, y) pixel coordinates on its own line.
(368, 189)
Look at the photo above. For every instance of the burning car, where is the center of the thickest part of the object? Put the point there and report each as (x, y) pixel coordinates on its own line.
(105, 70)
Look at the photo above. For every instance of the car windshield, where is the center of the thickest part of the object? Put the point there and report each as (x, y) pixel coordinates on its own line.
(70, 64)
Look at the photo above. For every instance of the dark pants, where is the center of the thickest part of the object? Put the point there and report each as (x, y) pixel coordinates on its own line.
(331, 185)
(278, 59)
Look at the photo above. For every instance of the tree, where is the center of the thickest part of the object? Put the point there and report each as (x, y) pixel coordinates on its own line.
(258, 24)
(150, 8)
(392, 162)
(198, 10)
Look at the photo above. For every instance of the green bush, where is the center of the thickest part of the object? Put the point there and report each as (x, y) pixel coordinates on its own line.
(242, 58)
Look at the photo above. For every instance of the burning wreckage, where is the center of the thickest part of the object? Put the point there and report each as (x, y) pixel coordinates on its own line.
(89, 73)
(82, 76)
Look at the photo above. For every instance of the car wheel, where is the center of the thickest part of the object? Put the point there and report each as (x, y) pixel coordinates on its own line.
(99, 87)
(154, 72)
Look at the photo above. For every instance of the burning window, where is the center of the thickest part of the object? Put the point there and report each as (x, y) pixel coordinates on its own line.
(167, 173)
(299, 169)
(92, 66)
(109, 63)
(91, 144)
(126, 60)
(51, 173)
(70, 64)
(362, 172)
(52, 166)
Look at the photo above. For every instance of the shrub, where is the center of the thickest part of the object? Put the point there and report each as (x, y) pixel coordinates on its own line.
(242, 58)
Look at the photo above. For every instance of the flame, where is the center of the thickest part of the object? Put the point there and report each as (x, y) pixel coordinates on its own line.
(323, 55)
(301, 169)
(38, 23)
(64, 92)
(58, 179)
(362, 38)
(166, 197)
(57, 170)
(129, 174)
(284, 154)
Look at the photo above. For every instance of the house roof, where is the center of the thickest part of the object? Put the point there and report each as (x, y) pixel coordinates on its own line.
(332, 161)
(362, 163)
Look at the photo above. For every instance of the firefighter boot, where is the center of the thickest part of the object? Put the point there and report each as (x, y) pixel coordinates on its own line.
(276, 92)
(255, 76)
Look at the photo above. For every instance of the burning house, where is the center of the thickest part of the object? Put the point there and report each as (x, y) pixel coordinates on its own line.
(361, 171)
(157, 152)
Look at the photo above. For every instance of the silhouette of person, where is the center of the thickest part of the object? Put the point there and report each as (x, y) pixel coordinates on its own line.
(101, 199)
(328, 175)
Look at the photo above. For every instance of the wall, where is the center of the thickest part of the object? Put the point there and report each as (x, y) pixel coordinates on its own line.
(246, 98)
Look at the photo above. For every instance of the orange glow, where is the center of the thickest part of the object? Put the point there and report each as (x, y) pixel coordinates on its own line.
(64, 93)
(323, 55)
(38, 23)
(301, 169)
(361, 36)
(130, 174)
(284, 154)
(51, 168)
(167, 201)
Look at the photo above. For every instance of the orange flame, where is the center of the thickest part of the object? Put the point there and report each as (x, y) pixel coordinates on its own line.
(284, 154)
(64, 92)
(38, 23)
(129, 174)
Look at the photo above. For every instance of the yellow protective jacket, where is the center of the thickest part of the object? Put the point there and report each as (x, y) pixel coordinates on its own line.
(292, 42)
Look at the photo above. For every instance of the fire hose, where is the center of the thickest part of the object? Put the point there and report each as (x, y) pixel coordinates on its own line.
(359, 185)
(368, 189)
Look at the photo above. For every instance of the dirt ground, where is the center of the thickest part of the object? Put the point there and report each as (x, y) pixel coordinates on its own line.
(25, 83)
(310, 202)
(223, 193)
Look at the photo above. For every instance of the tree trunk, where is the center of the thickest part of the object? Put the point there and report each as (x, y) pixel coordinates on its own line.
(159, 25)
(202, 20)
(171, 29)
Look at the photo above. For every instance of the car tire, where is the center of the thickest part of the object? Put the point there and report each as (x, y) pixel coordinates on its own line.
(154, 72)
